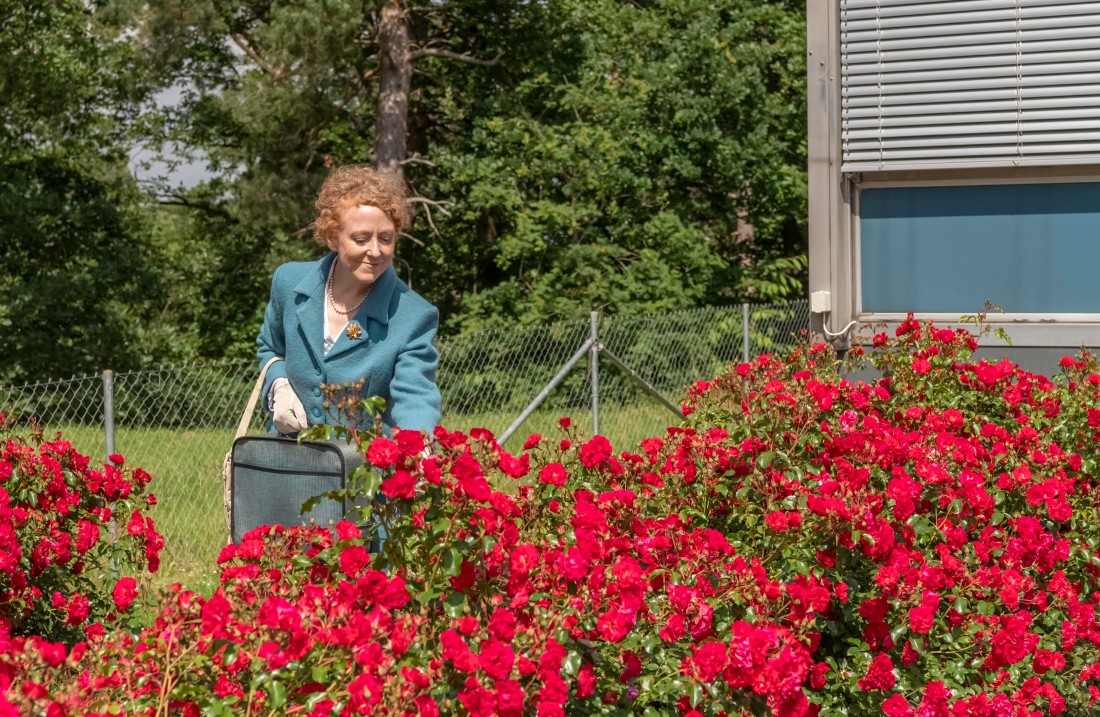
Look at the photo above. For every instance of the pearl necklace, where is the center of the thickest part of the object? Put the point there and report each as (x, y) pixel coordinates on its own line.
(332, 301)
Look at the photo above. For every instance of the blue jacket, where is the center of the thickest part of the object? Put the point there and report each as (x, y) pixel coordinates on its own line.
(394, 352)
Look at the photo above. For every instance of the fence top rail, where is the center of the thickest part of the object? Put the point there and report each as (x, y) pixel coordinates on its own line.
(222, 363)
(54, 383)
(49, 384)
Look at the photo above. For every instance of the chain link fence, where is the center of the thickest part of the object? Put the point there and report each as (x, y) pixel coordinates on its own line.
(178, 422)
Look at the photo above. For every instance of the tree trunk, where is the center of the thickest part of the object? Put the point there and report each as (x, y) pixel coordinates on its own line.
(395, 76)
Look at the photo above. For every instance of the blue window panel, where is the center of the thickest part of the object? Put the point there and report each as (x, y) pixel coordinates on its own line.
(1028, 248)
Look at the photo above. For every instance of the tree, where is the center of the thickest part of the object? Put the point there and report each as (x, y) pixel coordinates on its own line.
(75, 282)
(579, 154)
(273, 95)
(652, 157)
(78, 283)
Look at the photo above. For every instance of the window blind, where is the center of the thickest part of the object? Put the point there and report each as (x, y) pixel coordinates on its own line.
(936, 83)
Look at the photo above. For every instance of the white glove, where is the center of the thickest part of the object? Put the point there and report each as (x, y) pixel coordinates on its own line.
(288, 413)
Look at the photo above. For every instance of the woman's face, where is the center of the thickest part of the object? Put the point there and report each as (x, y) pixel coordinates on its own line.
(365, 242)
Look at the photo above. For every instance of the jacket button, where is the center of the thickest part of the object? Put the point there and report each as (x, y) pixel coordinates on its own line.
(317, 412)
(316, 391)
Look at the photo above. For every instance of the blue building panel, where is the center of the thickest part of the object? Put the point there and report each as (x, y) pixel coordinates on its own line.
(1028, 248)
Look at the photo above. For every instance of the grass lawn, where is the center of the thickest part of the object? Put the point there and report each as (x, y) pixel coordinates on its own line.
(186, 468)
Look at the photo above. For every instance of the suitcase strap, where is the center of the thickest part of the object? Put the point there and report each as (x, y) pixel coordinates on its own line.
(242, 427)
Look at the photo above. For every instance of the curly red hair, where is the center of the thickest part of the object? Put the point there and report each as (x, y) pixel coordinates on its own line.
(353, 185)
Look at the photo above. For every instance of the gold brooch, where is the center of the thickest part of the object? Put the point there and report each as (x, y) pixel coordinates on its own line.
(355, 331)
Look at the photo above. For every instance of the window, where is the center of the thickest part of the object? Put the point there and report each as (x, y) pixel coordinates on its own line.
(1029, 248)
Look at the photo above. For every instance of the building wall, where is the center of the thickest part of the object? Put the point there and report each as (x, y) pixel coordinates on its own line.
(954, 157)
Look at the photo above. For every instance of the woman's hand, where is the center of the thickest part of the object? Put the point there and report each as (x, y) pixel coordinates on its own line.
(288, 414)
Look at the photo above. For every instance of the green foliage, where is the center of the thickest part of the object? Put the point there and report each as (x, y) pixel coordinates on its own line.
(599, 155)
(624, 168)
(79, 286)
(620, 157)
(62, 84)
(77, 281)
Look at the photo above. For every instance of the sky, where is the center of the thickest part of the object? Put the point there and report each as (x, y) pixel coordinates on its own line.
(173, 171)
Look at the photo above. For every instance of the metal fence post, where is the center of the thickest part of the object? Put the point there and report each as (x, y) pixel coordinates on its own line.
(594, 369)
(109, 410)
(547, 389)
(745, 332)
(109, 436)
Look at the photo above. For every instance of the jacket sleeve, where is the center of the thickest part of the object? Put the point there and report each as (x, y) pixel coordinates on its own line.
(271, 341)
(416, 399)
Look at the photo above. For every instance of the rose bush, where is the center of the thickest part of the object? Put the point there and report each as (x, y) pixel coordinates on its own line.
(924, 543)
(953, 501)
(488, 606)
(62, 574)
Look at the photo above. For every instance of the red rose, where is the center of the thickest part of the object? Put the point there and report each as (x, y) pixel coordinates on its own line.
(674, 629)
(934, 702)
(400, 485)
(874, 609)
(346, 530)
(897, 706)
(524, 559)
(77, 610)
(880, 674)
(470, 478)
(841, 591)
(586, 681)
(921, 619)
(227, 553)
(777, 521)
(465, 578)
(383, 453)
(632, 667)
(553, 474)
(709, 660)
(124, 593)
(510, 698)
(426, 706)
(353, 560)
(410, 443)
(502, 624)
(457, 651)
(595, 452)
(215, 615)
(817, 675)
(136, 524)
(514, 467)
(53, 653)
(496, 659)
(395, 593)
(615, 624)
(574, 564)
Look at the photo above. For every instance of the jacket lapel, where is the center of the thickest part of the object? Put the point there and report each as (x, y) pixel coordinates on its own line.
(311, 316)
(375, 308)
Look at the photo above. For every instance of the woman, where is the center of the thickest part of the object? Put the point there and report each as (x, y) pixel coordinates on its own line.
(347, 316)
